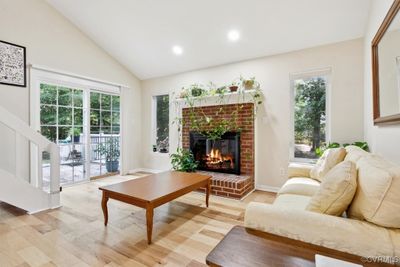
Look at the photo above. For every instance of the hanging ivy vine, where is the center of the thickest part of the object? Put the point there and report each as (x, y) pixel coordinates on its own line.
(222, 121)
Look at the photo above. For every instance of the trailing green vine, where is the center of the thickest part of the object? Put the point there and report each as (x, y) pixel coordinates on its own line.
(215, 126)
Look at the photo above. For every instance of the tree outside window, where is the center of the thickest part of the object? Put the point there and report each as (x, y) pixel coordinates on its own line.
(309, 116)
(162, 123)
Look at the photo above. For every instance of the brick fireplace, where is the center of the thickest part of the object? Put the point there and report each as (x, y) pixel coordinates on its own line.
(228, 184)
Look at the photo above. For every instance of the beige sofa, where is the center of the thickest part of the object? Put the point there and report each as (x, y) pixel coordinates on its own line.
(373, 228)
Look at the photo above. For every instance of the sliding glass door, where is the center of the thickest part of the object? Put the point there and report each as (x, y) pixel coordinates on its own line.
(85, 125)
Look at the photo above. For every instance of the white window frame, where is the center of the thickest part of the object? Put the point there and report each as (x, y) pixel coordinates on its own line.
(154, 122)
(40, 74)
(327, 74)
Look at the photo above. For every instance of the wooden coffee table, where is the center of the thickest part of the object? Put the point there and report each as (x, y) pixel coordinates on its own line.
(154, 190)
(243, 247)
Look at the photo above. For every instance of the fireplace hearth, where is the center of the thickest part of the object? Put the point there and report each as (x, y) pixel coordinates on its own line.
(222, 155)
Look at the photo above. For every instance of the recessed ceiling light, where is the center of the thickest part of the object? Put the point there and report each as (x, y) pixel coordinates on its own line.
(233, 35)
(177, 50)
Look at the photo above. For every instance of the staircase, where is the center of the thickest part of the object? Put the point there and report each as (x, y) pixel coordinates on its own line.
(33, 193)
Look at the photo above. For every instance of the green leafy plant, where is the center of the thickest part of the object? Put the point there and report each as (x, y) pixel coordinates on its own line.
(75, 132)
(320, 150)
(249, 83)
(183, 160)
(109, 149)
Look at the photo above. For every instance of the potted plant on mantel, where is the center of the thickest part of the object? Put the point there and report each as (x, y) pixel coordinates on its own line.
(249, 84)
(110, 149)
(233, 87)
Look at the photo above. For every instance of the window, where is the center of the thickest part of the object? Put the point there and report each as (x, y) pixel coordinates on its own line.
(310, 119)
(162, 123)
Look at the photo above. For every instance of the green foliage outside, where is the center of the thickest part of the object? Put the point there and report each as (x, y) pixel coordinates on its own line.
(162, 113)
(68, 103)
(183, 160)
(310, 115)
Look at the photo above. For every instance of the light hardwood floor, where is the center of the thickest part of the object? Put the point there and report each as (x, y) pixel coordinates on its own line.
(185, 231)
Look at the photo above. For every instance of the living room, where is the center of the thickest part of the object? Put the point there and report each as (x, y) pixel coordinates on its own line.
(210, 139)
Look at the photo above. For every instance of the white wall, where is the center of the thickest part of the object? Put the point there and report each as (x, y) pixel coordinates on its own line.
(383, 140)
(274, 120)
(54, 42)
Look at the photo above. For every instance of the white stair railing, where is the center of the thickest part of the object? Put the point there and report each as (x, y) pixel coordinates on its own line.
(39, 144)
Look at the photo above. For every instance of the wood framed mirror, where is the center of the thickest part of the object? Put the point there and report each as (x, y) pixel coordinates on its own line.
(386, 69)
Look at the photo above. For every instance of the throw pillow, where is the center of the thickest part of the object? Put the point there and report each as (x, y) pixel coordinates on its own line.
(336, 191)
(327, 161)
(377, 198)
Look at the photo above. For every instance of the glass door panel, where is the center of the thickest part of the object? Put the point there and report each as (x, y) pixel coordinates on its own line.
(104, 134)
(62, 121)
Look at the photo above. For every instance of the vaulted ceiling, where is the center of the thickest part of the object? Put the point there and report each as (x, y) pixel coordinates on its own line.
(140, 34)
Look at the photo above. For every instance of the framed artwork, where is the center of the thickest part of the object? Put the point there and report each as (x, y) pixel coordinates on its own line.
(12, 64)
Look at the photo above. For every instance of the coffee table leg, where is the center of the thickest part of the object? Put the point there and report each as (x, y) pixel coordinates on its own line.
(208, 191)
(104, 206)
(149, 222)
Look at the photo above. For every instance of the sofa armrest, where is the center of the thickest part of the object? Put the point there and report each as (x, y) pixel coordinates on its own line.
(343, 234)
(299, 170)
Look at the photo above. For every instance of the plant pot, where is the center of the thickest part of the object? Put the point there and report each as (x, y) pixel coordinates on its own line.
(112, 166)
(154, 149)
(248, 84)
(163, 150)
(233, 88)
(76, 138)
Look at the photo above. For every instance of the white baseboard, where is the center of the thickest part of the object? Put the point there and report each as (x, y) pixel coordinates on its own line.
(143, 170)
(267, 188)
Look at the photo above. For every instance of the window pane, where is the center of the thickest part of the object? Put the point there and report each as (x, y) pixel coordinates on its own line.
(64, 96)
(78, 116)
(94, 130)
(95, 100)
(78, 98)
(48, 94)
(64, 116)
(115, 130)
(50, 132)
(115, 118)
(115, 103)
(162, 122)
(309, 116)
(106, 118)
(105, 102)
(106, 130)
(48, 115)
(64, 134)
(95, 117)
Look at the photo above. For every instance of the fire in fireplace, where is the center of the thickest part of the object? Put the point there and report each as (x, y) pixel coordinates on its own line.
(221, 155)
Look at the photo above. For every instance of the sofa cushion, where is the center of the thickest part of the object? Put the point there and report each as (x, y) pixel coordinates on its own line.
(293, 201)
(336, 191)
(328, 160)
(377, 198)
(354, 153)
(300, 186)
(343, 234)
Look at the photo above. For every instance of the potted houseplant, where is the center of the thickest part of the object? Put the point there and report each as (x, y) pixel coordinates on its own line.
(75, 134)
(234, 87)
(163, 145)
(154, 148)
(249, 84)
(183, 160)
(110, 149)
(196, 90)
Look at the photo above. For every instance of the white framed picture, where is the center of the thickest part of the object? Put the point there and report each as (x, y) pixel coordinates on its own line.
(12, 64)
